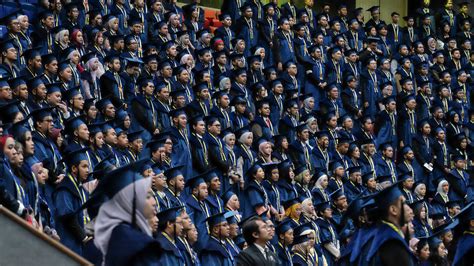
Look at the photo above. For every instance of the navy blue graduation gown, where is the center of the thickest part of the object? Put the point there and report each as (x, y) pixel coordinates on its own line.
(190, 257)
(215, 203)
(181, 154)
(274, 196)
(464, 251)
(199, 154)
(248, 32)
(385, 130)
(284, 255)
(216, 254)
(458, 181)
(171, 254)
(297, 154)
(287, 190)
(173, 199)
(199, 212)
(370, 93)
(68, 198)
(385, 233)
(283, 48)
(255, 196)
(352, 191)
(327, 234)
(129, 246)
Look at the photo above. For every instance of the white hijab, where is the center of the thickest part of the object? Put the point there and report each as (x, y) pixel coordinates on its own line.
(119, 210)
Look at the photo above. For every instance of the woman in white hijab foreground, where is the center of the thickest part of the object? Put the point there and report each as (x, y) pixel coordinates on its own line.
(122, 239)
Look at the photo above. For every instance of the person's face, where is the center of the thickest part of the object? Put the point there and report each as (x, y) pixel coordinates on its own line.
(327, 213)
(200, 128)
(303, 135)
(122, 140)
(6, 93)
(260, 174)
(52, 67)
(83, 170)
(441, 136)
(66, 74)
(234, 202)
(215, 184)
(82, 132)
(149, 210)
(99, 140)
(11, 54)
(267, 149)
(48, 22)
(271, 228)
(388, 153)
(111, 136)
(54, 98)
(442, 251)
(356, 177)
(24, 22)
(334, 93)
(233, 230)
(110, 110)
(215, 128)
(202, 191)
(265, 110)
(424, 253)
(324, 142)
(164, 94)
(332, 123)
(288, 237)
(263, 231)
(9, 148)
(231, 140)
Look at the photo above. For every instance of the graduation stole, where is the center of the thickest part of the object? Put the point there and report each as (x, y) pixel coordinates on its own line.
(391, 225)
(250, 25)
(82, 195)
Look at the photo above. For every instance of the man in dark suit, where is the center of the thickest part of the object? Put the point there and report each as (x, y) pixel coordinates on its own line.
(256, 235)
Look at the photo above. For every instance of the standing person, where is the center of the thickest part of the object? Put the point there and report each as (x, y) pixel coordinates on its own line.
(68, 197)
(256, 234)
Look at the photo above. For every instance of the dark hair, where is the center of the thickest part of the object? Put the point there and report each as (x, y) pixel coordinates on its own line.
(249, 228)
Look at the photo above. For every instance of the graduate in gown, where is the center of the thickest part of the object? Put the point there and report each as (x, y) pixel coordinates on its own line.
(216, 253)
(68, 197)
(122, 231)
(198, 209)
(389, 240)
(170, 227)
(256, 198)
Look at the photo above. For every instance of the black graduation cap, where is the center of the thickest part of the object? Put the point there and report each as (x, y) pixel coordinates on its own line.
(252, 170)
(8, 111)
(53, 87)
(169, 214)
(18, 129)
(367, 176)
(173, 172)
(6, 19)
(73, 4)
(73, 157)
(288, 203)
(74, 122)
(48, 58)
(216, 219)
(195, 181)
(384, 198)
(132, 136)
(239, 132)
(7, 44)
(338, 193)
(245, 6)
(322, 206)
(354, 169)
(63, 65)
(31, 53)
(41, 113)
(15, 82)
(373, 9)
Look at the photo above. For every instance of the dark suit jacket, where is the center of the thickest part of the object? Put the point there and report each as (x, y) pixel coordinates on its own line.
(252, 256)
